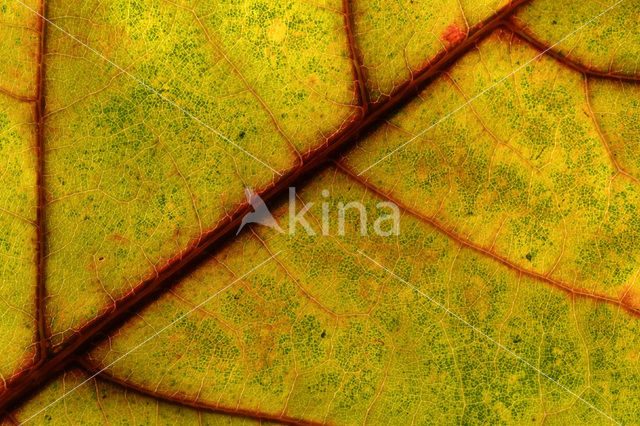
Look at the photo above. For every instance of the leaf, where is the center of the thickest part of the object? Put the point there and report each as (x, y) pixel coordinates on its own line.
(104, 402)
(504, 132)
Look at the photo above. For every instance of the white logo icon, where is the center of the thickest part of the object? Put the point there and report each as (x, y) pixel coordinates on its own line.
(260, 213)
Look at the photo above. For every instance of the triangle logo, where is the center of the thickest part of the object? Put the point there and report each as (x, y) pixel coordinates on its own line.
(260, 213)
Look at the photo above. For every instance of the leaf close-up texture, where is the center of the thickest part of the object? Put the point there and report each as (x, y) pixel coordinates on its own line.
(135, 136)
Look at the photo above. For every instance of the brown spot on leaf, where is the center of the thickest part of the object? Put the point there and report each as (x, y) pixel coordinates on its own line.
(453, 34)
(119, 238)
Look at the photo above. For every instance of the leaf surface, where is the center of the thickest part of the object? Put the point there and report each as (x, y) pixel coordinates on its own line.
(504, 132)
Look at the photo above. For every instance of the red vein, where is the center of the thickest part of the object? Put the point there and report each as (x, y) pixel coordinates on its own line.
(92, 370)
(15, 96)
(27, 381)
(572, 290)
(356, 58)
(523, 34)
(592, 115)
(39, 111)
